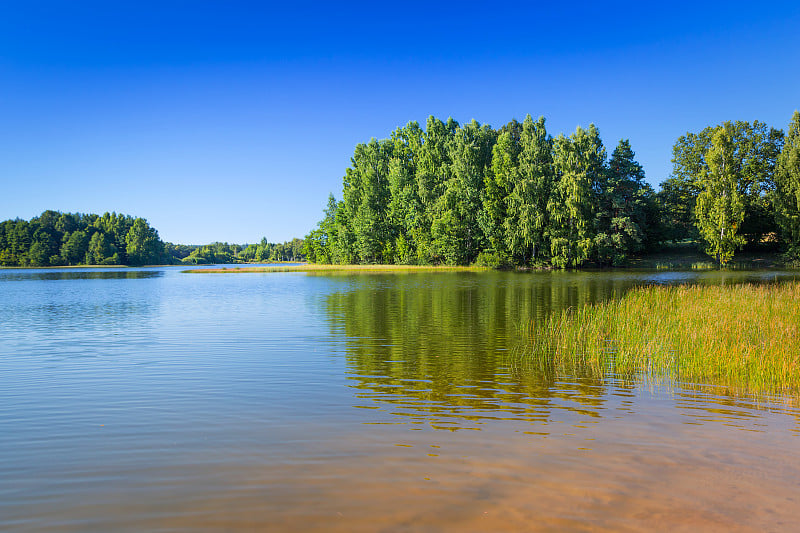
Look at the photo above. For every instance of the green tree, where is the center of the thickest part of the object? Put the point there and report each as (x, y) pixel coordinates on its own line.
(625, 201)
(579, 164)
(720, 207)
(142, 244)
(405, 208)
(318, 245)
(74, 248)
(433, 169)
(499, 181)
(787, 181)
(100, 250)
(45, 247)
(527, 220)
(755, 149)
(366, 197)
(455, 231)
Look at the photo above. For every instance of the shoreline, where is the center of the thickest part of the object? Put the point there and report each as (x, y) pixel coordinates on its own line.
(311, 267)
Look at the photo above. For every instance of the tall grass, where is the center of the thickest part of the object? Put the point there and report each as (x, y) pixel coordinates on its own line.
(744, 336)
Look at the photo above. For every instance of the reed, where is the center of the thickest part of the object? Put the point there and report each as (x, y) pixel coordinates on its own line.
(744, 336)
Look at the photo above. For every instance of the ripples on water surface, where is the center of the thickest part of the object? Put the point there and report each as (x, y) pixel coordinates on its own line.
(150, 399)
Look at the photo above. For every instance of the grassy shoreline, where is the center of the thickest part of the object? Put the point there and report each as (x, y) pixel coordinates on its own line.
(746, 337)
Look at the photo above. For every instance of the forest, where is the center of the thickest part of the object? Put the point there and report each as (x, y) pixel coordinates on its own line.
(63, 239)
(468, 194)
(517, 196)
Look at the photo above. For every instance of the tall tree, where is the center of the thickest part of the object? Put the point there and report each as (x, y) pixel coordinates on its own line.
(499, 181)
(787, 181)
(317, 246)
(101, 250)
(74, 248)
(527, 217)
(405, 207)
(624, 203)
(755, 148)
(579, 166)
(433, 169)
(720, 206)
(455, 231)
(143, 246)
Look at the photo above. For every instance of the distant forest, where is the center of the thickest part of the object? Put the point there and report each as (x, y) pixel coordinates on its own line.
(59, 239)
(463, 194)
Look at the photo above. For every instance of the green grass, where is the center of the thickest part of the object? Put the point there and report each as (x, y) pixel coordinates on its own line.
(746, 336)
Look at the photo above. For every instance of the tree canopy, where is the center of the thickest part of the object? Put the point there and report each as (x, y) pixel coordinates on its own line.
(461, 194)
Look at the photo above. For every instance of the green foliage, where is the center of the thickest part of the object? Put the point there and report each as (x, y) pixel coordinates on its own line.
(752, 151)
(55, 238)
(579, 163)
(527, 218)
(224, 253)
(75, 247)
(453, 193)
(491, 259)
(787, 187)
(625, 208)
(720, 207)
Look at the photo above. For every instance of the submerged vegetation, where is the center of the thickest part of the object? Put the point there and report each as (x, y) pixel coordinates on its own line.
(743, 336)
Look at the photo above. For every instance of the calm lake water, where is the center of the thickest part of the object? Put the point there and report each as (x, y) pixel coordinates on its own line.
(154, 400)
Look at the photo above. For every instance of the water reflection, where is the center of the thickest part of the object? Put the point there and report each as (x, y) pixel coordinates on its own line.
(437, 350)
(82, 312)
(60, 275)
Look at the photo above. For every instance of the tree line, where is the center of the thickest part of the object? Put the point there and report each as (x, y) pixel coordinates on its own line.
(61, 239)
(219, 252)
(462, 194)
(55, 238)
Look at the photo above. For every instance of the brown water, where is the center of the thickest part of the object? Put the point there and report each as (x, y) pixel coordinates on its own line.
(154, 400)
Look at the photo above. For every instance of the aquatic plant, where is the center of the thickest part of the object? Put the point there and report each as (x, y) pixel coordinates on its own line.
(744, 336)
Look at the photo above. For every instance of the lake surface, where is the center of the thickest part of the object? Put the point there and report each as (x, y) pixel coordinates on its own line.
(155, 400)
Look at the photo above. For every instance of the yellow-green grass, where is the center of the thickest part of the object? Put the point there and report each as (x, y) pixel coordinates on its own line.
(745, 336)
(339, 268)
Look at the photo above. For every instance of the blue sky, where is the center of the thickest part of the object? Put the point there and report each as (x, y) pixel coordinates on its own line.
(231, 120)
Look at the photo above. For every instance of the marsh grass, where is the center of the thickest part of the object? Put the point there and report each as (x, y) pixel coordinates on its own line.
(746, 336)
(312, 268)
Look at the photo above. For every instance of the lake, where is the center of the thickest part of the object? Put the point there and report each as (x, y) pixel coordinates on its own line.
(155, 400)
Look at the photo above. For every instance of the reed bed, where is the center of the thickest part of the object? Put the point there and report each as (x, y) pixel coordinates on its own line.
(340, 268)
(743, 336)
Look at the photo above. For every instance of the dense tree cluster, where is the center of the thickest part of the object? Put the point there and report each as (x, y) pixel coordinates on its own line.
(461, 194)
(58, 239)
(55, 238)
(733, 185)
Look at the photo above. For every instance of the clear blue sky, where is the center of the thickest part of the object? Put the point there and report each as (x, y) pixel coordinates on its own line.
(232, 120)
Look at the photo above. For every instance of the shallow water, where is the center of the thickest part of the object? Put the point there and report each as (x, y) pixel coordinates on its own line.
(150, 399)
